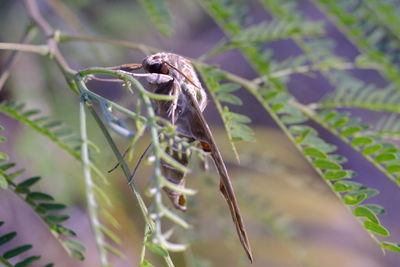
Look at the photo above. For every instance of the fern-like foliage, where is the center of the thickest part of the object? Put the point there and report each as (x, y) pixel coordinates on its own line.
(71, 143)
(164, 137)
(43, 205)
(15, 253)
(372, 29)
(53, 129)
(353, 93)
(291, 116)
(159, 14)
(372, 26)
(235, 123)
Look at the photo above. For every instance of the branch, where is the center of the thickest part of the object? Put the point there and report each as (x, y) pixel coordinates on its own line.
(38, 49)
(306, 69)
(49, 32)
(26, 38)
(64, 37)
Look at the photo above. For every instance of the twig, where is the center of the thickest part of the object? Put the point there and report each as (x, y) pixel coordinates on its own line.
(90, 197)
(305, 69)
(64, 37)
(38, 49)
(12, 59)
(48, 30)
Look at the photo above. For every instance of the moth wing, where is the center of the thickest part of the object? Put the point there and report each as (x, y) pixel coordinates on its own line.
(199, 130)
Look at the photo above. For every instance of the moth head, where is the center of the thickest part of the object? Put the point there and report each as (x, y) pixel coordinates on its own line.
(155, 64)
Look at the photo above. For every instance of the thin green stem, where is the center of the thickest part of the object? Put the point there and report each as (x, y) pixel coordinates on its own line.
(124, 167)
(369, 106)
(37, 49)
(30, 32)
(5, 262)
(311, 114)
(90, 195)
(64, 37)
(321, 67)
(128, 77)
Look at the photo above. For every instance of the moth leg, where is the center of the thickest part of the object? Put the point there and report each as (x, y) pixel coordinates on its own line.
(158, 79)
(176, 177)
(166, 85)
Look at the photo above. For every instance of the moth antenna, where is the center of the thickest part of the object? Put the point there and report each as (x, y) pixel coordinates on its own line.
(118, 163)
(131, 67)
(181, 73)
(138, 163)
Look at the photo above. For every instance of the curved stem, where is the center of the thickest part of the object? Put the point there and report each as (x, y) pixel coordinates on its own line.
(64, 37)
(38, 49)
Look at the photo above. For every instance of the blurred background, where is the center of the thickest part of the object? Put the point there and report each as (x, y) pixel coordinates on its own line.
(292, 217)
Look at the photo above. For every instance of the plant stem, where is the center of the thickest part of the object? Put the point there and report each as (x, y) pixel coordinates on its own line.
(305, 69)
(38, 49)
(64, 37)
(91, 199)
(10, 62)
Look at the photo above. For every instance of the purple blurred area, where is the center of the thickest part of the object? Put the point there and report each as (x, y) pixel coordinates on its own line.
(273, 179)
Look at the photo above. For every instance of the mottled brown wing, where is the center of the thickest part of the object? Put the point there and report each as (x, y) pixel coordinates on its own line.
(200, 130)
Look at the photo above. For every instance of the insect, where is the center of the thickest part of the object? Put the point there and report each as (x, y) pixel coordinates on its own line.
(174, 75)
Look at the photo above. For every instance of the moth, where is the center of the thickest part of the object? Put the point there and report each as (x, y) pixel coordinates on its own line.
(174, 75)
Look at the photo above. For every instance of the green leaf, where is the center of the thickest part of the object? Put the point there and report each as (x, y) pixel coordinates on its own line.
(40, 196)
(351, 130)
(330, 115)
(314, 152)
(3, 156)
(16, 251)
(376, 228)
(52, 206)
(110, 234)
(325, 164)
(391, 246)
(336, 175)
(3, 182)
(369, 150)
(157, 249)
(146, 264)
(239, 117)
(294, 119)
(159, 14)
(62, 132)
(2, 139)
(58, 228)
(393, 168)
(27, 262)
(228, 87)
(13, 175)
(229, 98)
(7, 166)
(385, 157)
(362, 141)
(369, 192)
(342, 187)
(362, 211)
(30, 112)
(52, 124)
(354, 199)
(377, 209)
(74, 245)
(54, 219)
(77, 254)
(340, 122)
(29, 182)
(114, 251)
(7, 237)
